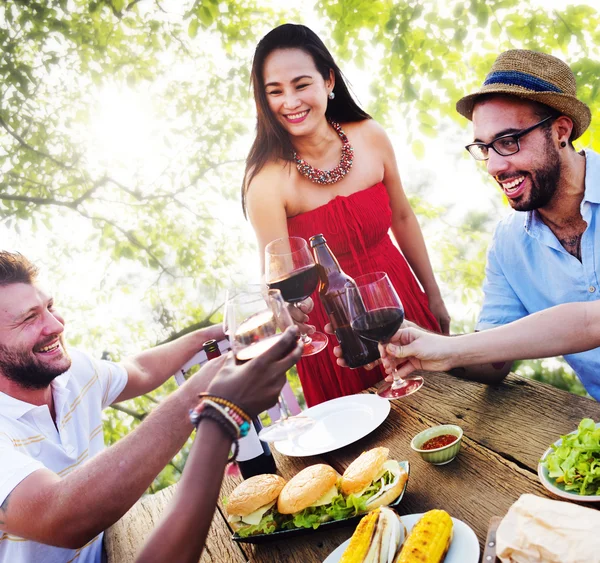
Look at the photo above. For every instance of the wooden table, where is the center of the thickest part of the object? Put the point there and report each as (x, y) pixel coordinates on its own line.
(507, 428)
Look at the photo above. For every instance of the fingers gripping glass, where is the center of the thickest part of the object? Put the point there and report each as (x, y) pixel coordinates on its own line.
(376, 313)
(504, 145)
(290, 267)
(256, 321)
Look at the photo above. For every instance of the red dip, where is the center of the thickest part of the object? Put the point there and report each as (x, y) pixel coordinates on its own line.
(439, 442)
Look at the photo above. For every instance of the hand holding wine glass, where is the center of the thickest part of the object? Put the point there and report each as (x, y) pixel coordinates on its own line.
(290, 267)
(377, 313)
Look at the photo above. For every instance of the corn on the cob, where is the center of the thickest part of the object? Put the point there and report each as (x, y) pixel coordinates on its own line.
(429, 540)
(361, 539)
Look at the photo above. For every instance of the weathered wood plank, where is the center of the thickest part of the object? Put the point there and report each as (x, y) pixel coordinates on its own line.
(124, 540)
(518, 418)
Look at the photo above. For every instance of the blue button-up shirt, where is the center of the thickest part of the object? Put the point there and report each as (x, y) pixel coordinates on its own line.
(529, 270)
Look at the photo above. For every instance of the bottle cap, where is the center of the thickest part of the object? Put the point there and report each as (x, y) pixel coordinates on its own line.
(210, 346)
(316, 239)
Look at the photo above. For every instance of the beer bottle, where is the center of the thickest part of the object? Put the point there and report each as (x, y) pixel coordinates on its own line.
(333, 284)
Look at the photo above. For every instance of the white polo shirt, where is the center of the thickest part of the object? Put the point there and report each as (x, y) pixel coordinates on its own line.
(29, 441)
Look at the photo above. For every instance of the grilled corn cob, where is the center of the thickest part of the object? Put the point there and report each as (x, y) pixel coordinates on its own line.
(361, 539)
(429, 540)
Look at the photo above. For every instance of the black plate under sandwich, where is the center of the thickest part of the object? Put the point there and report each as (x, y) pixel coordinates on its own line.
(332, 525)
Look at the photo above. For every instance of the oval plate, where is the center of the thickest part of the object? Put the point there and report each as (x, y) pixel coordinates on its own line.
(340, 422)
(463, 549)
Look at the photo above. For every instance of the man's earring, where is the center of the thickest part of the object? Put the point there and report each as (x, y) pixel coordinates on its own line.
(331, 95)
(563, 144)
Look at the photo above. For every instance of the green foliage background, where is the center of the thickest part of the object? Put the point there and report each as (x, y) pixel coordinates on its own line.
(157, 239)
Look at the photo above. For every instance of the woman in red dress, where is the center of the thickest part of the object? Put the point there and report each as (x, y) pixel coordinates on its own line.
(307, 123)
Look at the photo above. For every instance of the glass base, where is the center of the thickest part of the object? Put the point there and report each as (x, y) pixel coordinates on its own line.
(314, 343)
(407, 387)
(286, 429)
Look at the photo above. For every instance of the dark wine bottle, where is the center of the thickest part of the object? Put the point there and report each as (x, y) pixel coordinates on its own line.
(333, 285)
(254, 457)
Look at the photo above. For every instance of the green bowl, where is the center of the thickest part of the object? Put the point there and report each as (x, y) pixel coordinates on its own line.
(439, 456)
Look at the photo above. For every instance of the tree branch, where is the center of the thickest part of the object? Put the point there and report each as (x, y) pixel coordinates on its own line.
(137, 415)
(27, 146)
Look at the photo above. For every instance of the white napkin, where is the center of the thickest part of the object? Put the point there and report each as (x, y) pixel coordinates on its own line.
(540, 530)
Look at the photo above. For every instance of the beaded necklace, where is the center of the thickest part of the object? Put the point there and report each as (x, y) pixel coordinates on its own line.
(334, 175)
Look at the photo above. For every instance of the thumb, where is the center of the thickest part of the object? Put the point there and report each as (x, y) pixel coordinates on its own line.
(400, 351)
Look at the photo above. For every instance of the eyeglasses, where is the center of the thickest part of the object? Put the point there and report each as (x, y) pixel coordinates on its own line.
(504, 145)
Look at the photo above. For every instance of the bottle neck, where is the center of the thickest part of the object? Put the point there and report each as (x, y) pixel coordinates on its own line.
(325, 258)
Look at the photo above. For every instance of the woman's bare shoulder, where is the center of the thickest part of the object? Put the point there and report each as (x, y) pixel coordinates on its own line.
(270, 180)
(369, 129)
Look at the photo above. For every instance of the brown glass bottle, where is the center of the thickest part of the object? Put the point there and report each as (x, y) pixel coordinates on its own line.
(333, 284)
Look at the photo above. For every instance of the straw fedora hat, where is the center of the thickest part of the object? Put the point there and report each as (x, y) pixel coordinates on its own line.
(533, 76)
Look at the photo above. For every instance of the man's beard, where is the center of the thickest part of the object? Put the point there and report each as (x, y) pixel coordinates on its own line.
(544, 183)
(25, 369)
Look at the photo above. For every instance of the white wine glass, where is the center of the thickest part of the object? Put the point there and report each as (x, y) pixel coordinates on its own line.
(256, 320)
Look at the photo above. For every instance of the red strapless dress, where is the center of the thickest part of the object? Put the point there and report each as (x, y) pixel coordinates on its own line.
(356, 228)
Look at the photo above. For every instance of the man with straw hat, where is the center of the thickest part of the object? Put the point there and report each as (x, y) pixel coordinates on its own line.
(525, 119)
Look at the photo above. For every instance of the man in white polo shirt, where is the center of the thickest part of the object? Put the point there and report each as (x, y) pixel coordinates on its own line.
(59, 488)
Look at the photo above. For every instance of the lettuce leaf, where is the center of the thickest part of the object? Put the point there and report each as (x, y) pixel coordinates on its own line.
(576, 462)
(265, 526)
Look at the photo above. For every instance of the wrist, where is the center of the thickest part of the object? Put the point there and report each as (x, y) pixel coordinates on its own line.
(433, 292)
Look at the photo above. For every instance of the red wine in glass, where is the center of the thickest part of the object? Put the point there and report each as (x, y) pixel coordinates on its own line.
(379, 325)
(290, 268)
(376, 313)
(298, 285)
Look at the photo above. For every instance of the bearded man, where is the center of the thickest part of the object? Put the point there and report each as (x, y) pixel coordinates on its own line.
(58, 489)
(525, 119)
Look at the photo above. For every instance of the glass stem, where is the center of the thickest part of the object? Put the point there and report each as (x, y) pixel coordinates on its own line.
(283, 409)
(398, 381)
(305, 338)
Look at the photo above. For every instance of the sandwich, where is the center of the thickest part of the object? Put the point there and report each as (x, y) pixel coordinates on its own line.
(251, 506)
(311, 497)
(373, 480)
(376, 538)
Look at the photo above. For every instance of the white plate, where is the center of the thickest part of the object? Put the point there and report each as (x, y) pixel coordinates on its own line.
(340, 422)
(463, 549)
(557, 488)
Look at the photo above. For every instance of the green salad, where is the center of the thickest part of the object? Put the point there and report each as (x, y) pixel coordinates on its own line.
(575, 464)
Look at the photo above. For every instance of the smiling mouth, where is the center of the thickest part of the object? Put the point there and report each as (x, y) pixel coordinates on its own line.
(512, 186)
(50, 348)
(296, 116)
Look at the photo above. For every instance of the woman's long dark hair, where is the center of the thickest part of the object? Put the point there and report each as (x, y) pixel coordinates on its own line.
(272, 141)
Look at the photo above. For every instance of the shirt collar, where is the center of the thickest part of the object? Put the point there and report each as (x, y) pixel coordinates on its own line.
(591, 187)
(15, 408)
(592, 177)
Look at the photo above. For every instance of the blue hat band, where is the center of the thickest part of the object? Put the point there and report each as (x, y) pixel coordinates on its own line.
(515, 78)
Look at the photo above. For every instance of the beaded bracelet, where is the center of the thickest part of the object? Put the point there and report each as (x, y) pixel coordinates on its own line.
(218, 418)
(226, 403)
(240, 425)
(231, 416)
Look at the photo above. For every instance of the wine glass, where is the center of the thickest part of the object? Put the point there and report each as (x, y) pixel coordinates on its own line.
(290, 267)
(376, 313)
(256, 320)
